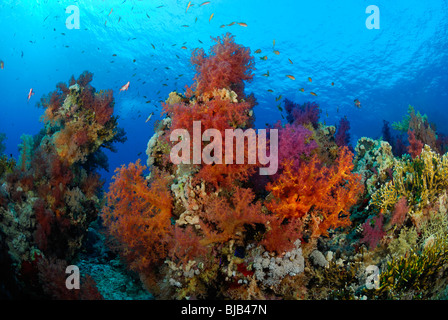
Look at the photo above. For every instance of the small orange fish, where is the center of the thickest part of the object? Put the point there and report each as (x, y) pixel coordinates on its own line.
(266, 74)
(310, 80)
(302, 89)
(183, 47)
(153, 46)
(278, 98)
(273, 43)
(270, 90)
(242, 24)
(332, 83)
(185, 25)
(231, 24)
(312, 93)
(111, 10)
(31, 93)
(357, 103)
(125, 87)
(258, 51)
(188, 6)
(2, 65)
(290, 77)
(276, 52)
(290, 61)
(204, 3)
(211, 17)
(264, 58)
(222, 26)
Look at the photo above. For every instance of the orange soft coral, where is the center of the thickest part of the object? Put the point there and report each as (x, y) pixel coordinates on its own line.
(316, 194)
(138, 216)
(224, 219)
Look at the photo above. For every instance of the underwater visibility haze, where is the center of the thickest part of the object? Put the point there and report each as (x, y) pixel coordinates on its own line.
(102, 173)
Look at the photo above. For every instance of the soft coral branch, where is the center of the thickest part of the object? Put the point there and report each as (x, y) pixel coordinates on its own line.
(138, 216)
(224, 219)
(227, 66)
(318, 193)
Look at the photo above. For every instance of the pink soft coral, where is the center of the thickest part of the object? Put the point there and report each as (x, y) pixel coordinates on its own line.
(373, 234)
(295, 144)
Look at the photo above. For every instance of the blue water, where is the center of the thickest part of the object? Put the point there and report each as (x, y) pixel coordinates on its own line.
(404, 62)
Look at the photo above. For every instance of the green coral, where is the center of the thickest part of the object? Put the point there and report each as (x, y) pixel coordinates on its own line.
(404, 125)
(415, 274)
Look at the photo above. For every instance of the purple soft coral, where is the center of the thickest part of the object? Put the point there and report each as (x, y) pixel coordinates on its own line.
(295, 144)
(302, 114)
(342, 136)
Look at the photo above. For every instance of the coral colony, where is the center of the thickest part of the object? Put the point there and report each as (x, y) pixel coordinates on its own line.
(221, 211)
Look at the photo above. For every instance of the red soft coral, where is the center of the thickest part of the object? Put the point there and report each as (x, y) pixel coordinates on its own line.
(53, 277)
(317, 194)
(281, 234)
(185, 245)
(227, 66)
(138, 216)
(103, 106)
(44, 219)
(219, 114)
(415, 146)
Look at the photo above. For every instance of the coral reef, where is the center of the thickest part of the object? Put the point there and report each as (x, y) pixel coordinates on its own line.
(219, 235)
(213, 229)
(53, 193)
